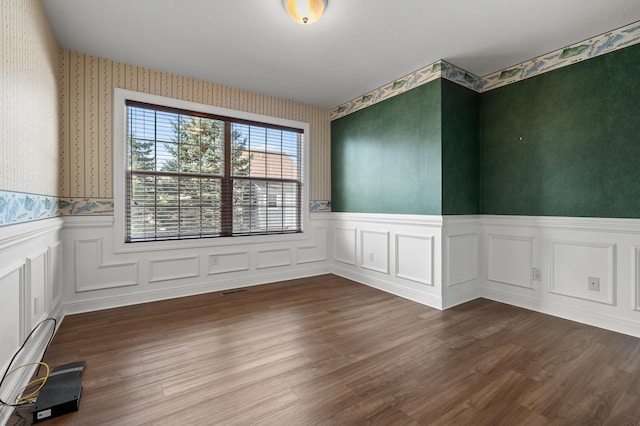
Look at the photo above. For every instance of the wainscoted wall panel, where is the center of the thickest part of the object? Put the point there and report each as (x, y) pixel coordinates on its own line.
(55, 273)
(510, 259)
(220, 263)
(462, 265)
(96, 273)
(374, 253)
(316, 252)
(566, 251)
(636, 275)
(29, 88)
(273, 258)
(344, 245)
(37, 275)
(461, 254)
(11, 309)
(30, 263)
(400, 254)
(573, 263)
(107, 275)
(86, 94)
(414, 258)
(173, 268)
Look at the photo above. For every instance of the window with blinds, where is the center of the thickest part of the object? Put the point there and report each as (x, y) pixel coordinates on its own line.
(196, 175)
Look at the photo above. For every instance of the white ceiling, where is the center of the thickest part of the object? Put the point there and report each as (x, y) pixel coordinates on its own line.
(358, 46)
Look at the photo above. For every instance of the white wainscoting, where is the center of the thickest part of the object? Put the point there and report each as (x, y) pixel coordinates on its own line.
(461, 259)
(574, 262)
(100, 273)
(510, 259)
(30, 287)
(566, 252)
(399, 254)
(344, 244)
(635, 273)
(317, 251)
(225, 262)
(414, 258)
(96, 274)
(375, 250)
(173, 268)
(445, 261)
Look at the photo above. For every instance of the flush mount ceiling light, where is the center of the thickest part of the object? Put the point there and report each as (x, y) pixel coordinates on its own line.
(305, 12)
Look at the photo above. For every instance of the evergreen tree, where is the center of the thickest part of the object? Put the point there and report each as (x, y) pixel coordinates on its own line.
(198, 147)
(141, 153)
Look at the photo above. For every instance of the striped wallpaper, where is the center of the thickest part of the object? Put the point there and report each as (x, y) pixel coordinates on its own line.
(29, 57)
(86, 91)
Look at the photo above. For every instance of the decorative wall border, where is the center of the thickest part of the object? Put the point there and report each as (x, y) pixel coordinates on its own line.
(318, 206)
(85, 206)
(439, 69)
(604, 43)
(18, 207)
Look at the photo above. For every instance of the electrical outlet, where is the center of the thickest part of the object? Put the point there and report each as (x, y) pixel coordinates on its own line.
(594, 283)
(536, 274)
(370, 256)
(214, 260)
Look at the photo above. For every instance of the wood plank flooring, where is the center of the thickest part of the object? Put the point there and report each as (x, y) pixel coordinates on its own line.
(328, 351)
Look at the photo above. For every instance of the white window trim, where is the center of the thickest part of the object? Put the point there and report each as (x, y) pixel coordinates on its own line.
(120, 161)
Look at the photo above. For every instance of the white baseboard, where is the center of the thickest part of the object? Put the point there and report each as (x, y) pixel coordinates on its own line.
(455, 297)
(389, 287)
(108, 302)
(594, 319)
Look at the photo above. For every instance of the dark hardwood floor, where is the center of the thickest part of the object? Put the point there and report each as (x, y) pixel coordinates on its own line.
(329, 351)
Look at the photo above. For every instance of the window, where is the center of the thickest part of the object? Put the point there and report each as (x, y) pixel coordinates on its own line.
(196, 174)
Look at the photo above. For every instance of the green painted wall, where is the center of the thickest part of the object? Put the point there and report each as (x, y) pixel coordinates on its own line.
(565, 143)
(387, 158)
(460, 150)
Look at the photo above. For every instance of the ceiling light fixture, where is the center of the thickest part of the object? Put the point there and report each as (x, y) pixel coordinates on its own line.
(305, 11)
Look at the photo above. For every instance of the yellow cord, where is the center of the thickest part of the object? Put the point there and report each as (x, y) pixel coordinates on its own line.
(33, 395)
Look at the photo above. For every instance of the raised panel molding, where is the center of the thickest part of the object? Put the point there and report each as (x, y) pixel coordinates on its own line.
(173, 268)
(462, 258)
(636, 276)
(414, 258)
(510, 259)
(37, 303)
(374, 253)
(55, 274)
(273, 258)
(573, 262)
(13, 329)
(344, 245)
(316, 252)
(92, 273)
(220, 263)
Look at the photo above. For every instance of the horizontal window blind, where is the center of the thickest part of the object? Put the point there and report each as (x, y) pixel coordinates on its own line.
(196, 175)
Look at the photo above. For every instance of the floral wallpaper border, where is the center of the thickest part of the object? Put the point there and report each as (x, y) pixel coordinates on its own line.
(417, 78)
(19, 207)
(85, 206)
(16, 207)
(319, 206)
(595, 46)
